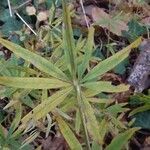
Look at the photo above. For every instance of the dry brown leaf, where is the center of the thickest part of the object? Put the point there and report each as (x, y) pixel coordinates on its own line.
(98, 16)
(42, 16)
(105, 20)
(146, 21)
(56, 143)
(30, 10)
(147, 141)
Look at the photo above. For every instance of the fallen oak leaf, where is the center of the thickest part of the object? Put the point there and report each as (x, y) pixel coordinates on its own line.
(103, 19)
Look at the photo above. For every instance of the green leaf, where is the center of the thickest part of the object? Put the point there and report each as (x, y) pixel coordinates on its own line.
(135, 30)
(70, 104)
(49, 3)
(111, 62)
(7, 92)
(46, 106)
(140, 109)
(17, 118)
(88, 53)
(32, 82)
(77, 122)
(121, 139)
(68, 134)
(91, 122)
(27, 100)
(142, 120)
(11, 24)
(94, 88)
(17, 2)
(68, 40)
(104, 128)
(38, 61)
(4, 15)
(117, 108)
(30, 139)
(121, 68)
(96, 146)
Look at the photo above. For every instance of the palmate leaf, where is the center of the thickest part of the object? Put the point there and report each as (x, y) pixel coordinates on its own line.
(94, 88)
(38, 61)
(111, 62)
(68, 134)
(120, 140)
(46, 106)
(33, 82)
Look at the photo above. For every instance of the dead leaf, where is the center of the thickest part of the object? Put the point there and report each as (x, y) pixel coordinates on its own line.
(99, 17)
(56, 143)
(146, 21)
(103, 19)
(147, 141)
(122, 97)
(30, 10)
(42, 16)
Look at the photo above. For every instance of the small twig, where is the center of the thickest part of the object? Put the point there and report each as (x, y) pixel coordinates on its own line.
(28, 1)
(136, 142)
(148, 33)
(10, 10)
(26, 24)
(85, 17)
(56, 2)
